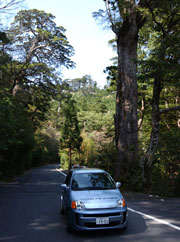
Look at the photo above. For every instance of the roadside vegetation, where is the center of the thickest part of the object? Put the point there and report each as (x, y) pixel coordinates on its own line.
(131, 127)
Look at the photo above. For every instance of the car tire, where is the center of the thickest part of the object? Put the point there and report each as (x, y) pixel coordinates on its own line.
(125, 228)
(69, 227)
(61, 206)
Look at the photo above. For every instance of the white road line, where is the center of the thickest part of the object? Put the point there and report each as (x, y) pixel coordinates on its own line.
(60, 172)
(156, 219)
(145, 215)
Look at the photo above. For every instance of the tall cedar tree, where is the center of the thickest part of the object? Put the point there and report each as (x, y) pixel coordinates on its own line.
(126, 21)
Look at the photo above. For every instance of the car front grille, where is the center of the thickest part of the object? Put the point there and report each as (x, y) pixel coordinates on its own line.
(88, 220)
(101, 215)
(94, 225)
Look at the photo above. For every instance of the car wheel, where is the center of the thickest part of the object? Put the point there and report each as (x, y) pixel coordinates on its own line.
(69, 227)
(61, 206)
(125, 228)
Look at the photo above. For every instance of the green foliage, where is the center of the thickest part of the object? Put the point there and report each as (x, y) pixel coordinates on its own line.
(96, 110)
(70, 134)
(51, 144)
(38, 48)
(95, 115)
(30, 56)
(47, 145)
(3, 38)
(34, 30)
(106, 157)
(16, 135)
(64, 160)
(88, 151)
(158, 60)
(39, 151)
(83, 86)
(43, 105)
(166, 167)
(111, 72)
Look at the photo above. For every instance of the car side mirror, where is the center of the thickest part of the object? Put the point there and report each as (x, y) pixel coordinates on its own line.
(63, 186)
(118, 184)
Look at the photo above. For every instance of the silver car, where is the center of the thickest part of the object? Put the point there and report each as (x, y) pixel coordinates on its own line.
(92, 201)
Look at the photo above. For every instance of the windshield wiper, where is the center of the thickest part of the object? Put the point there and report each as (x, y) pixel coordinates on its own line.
(92, 188)
(82, 189)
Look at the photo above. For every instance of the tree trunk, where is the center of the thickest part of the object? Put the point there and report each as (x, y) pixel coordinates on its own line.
(146, 161)
(70, 158)
(126, 121)
(155, 122)
(22, 73)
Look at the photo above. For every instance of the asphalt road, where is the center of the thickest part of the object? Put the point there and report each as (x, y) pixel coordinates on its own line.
(29, 212)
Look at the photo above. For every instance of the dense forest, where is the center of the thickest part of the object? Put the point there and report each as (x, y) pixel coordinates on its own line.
(131, 127)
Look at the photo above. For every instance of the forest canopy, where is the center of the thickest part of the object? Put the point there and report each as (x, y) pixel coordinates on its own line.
(131, 127)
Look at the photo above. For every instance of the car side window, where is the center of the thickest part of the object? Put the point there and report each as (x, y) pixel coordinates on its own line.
(68, 179)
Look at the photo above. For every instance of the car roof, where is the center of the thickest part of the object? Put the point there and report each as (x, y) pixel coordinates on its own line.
(87, 170)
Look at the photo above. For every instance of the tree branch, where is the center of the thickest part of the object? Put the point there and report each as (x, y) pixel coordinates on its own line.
(140, 121)
(108, 10)
(7, 5)
(169, 109)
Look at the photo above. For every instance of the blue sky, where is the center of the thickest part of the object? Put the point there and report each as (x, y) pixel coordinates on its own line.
(90, 41)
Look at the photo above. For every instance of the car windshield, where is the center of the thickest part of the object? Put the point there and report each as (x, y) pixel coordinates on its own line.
(92, 181)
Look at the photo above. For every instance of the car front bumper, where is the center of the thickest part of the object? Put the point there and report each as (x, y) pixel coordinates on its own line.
(86, 219)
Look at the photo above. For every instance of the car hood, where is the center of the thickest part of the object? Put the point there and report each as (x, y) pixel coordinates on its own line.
(97, 199)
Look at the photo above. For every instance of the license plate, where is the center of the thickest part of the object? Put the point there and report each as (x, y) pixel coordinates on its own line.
(103, 220)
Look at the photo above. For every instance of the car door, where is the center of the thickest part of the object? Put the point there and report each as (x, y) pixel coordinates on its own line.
(66, 189)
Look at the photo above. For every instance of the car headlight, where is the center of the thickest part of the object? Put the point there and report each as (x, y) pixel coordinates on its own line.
(77, 205)
(121, 203)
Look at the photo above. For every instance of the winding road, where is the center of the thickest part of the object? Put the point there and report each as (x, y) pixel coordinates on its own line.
(29, 212)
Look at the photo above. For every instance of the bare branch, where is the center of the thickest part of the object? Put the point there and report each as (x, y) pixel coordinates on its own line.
(108, 10)
(9, 5)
